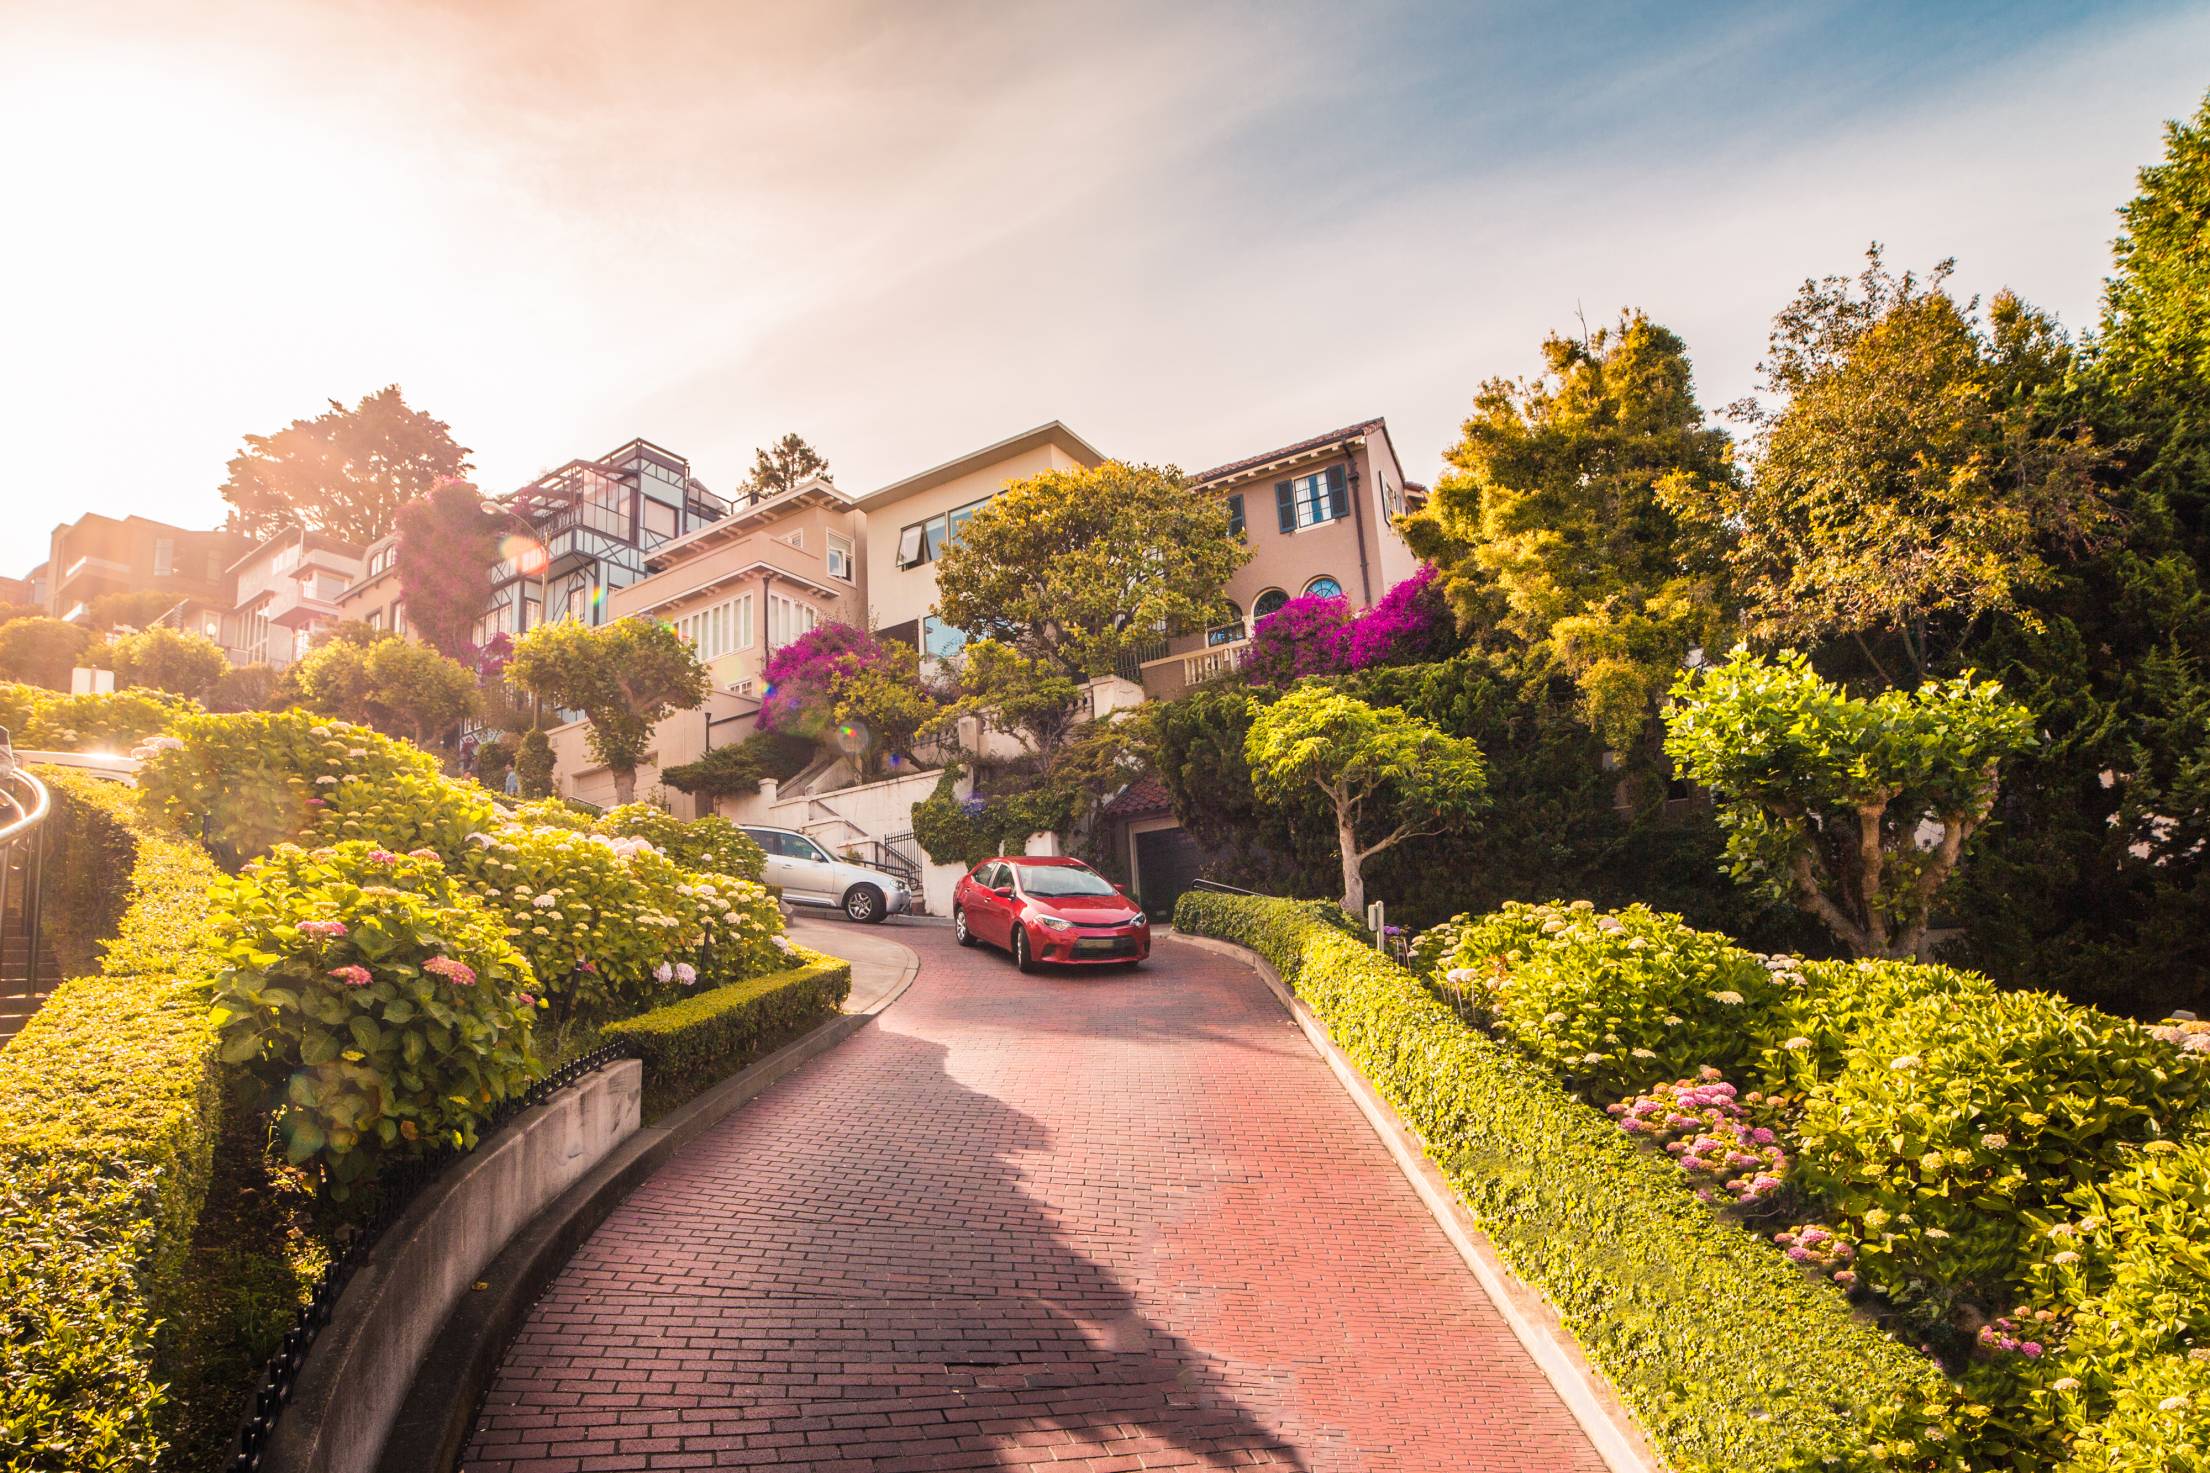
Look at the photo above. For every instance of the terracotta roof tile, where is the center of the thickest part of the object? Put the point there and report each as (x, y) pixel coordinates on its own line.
(1220, 472)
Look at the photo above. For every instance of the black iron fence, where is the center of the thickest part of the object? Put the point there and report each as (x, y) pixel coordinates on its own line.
(396, 1190)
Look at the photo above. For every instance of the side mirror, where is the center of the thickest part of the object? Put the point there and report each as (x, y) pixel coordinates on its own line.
(1003, 892)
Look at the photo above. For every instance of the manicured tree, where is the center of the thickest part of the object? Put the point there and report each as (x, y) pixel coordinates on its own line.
(533, 765)
(625, 677)
(1082, 567)
(1379, 770)
(1556, 526)
(1856, 810)
(737, 769)
(347, 471)
(446, 548)
(167, 659)
(1032, 701)
(42, 651)
(399, 687)
(243, 688)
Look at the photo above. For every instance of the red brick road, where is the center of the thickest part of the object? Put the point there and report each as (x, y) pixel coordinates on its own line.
(1108, 1221)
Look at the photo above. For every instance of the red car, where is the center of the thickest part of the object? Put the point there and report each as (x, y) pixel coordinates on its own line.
(1049, 910)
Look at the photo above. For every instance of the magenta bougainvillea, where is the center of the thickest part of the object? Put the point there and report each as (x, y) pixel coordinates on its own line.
(1317, 635)
(798, 678)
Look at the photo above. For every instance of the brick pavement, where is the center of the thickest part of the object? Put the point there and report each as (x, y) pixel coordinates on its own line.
(1108, 1221)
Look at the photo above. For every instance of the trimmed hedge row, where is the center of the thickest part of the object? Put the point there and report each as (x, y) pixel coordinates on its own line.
(1733, 1359)
(109, 1108)
(690, 1045)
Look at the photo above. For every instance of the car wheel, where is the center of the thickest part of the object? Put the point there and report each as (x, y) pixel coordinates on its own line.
(960, 933)
(1022, 956)
(864, 903)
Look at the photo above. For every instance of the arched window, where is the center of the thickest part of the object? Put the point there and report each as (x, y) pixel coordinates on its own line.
(1228, 633)
(1323, 587)
(1268, 602)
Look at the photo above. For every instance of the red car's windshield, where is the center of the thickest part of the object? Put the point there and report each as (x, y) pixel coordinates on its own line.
(1061, 879)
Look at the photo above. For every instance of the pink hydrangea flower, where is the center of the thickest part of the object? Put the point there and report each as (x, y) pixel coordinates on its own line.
(355, 975)
(685, 973)
(382, 856)
(421, 854)
(322, 928)
(459, 973)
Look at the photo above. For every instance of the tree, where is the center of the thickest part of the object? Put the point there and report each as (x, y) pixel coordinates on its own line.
(1080, 567)
(738, 768)
(446, 547)
(880, 708)
(167, 659)
(393, 684)
(1909, 484)
(1559, 525)
(533, 765)
(1033, 702)
(782, 466)
(1376, 768)
(346, 471)
(9, 613)
(1317, 634)
(800, 680)
(625, 677)
(1856, 810)
(244, 688)
(2153, 356)
(129, 609)
(41, 651)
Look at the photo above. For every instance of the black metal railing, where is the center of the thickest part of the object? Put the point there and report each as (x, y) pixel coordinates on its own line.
(396, 1190)
(25, 831)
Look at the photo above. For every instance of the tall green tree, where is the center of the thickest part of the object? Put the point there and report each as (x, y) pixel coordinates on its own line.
(625, 677)
(346, 471)
(1908, 482)
(393, 684)
(1080, 567)
(782, 466)
(1856, 810)
(1387, 777)
(1559, 528)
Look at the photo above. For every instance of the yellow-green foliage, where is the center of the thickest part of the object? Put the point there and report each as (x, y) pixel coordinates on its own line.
(1734, 1360)
(405, 810)
(47, 720)
(691, 1044)
(109, 1105)
(711, 843)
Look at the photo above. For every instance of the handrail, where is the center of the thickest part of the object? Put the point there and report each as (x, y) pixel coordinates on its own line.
(1221, 887)
(41, 804)
(23, 846)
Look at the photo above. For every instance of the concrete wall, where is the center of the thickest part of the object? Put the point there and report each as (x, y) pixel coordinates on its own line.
(683, 737)
(361, 1366)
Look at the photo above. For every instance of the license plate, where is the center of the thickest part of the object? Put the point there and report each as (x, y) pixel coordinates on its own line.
(1097, 944)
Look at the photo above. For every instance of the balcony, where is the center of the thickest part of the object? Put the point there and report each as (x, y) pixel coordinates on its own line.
(96, 567)
(1198, 666)
(294, 609)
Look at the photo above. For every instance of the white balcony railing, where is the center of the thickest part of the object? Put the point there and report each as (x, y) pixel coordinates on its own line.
(1198, 666)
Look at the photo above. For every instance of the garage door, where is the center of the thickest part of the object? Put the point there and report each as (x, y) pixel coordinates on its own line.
(1167, 862)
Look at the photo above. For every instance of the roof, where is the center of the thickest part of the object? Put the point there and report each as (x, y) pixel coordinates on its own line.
(1252, 462)
(314, 541)
(1143, 798)
(746, 518)
(1043, 434)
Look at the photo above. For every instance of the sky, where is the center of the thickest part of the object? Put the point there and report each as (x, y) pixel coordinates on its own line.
(1192, 231)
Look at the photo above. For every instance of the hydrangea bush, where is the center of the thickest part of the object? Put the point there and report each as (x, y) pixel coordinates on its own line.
(1714, 1133)
(47, 720)
(1613, 1002)
(378, 1006)
(401, 811)
(711, 843)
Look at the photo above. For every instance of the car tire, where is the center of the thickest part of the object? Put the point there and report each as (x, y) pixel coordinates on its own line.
(863, 903)
(1023, 958)
(960, 933)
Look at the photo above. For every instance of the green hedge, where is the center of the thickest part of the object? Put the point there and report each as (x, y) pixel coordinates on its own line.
(109, 1108)
(689, 1045)
(1732, 1359)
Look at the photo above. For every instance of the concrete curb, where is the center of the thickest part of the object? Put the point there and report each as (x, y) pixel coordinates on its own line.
(431, 1431)
(1609, 1426)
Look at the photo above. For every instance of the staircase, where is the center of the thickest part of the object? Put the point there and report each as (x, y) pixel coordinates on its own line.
(28, 970)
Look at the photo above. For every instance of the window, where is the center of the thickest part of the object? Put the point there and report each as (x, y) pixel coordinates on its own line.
(1228, 633)
(840, 557)
(164, 556)
(941, 641)
(1311, 500)
(924, 542)
(1267, 603)
(375, 619)
(1235, 515)
(795, 537)
(659, 520)
(719, 628)
(533, 613)
(1323, 587)
(787, 618)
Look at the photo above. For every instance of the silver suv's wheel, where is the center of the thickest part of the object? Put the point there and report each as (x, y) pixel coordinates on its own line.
(863, 903)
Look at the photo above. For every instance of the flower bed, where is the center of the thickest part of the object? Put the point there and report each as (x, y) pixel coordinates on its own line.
(701, 1040)
(1730, 1357)
(2006, 1178)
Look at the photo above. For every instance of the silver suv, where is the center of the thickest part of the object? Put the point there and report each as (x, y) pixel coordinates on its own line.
(808, 875)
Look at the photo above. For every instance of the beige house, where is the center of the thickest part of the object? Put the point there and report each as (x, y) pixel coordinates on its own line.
(911, 521)
(1319, 518)
(737, 589)
(372, 598)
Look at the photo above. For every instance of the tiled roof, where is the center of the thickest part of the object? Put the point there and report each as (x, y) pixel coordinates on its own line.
(1142, 798)
(1348, 432)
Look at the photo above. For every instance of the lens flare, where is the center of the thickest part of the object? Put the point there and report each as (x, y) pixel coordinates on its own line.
(526, 553)
(853, 738)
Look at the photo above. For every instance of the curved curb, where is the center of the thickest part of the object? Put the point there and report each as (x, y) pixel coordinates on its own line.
(1603, 1418)
(431, 1430)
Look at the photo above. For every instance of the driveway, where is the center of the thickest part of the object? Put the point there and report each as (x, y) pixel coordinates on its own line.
(1104, 1221)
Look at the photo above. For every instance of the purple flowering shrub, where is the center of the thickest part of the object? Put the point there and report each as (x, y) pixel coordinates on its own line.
(379, 1007)
(1714, 1134)
(1319, 635)
(799, 681)
(1820, 1248)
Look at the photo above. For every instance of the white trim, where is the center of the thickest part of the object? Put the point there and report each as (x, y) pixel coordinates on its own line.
(720, 578)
